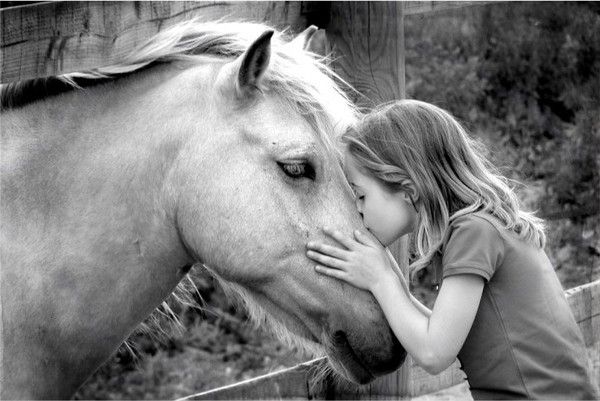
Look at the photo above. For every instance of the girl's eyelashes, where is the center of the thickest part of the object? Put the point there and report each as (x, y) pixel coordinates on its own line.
(357, 192)
(298, 170)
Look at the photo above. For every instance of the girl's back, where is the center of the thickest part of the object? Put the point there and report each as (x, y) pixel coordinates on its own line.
(524, 342)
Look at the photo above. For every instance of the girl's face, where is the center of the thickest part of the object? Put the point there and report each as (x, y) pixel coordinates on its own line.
(387, 215)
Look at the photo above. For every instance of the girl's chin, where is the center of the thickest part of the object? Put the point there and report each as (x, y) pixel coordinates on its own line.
(385, 240)
(389, 241)
(382, 240)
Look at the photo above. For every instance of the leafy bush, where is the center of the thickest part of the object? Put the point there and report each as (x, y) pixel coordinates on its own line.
(525, 79)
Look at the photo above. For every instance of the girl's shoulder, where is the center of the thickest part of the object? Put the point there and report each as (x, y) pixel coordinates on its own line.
(477, 221)
(473, 245)
(481, 228)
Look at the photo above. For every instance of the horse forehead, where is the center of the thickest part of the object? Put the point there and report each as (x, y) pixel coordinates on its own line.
(273, 119)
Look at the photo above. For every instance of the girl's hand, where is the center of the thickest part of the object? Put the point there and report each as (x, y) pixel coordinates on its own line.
(361, 261)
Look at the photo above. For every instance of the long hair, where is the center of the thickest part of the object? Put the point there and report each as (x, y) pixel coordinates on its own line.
(420, 142)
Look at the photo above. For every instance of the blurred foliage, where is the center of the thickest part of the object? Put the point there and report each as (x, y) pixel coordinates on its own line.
(522, 77)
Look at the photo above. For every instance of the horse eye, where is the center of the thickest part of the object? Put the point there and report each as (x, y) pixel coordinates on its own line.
(298, 170)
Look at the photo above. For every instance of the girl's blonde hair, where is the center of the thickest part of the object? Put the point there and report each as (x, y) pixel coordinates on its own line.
(417, 141)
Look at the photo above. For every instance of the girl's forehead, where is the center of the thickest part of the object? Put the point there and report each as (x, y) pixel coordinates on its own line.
(355, 175)
(349, 163)
(349, 160)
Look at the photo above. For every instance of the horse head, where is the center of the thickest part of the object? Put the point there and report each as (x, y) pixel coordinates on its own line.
(216, 146)
(265, 183)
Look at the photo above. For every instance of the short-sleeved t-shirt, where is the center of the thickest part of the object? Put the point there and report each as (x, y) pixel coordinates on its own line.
(524, 342)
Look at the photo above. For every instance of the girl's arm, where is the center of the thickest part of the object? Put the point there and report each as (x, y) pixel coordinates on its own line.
(422, 308)
(433, 340)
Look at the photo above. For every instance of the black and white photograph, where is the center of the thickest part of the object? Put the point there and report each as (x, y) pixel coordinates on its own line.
(265, 200)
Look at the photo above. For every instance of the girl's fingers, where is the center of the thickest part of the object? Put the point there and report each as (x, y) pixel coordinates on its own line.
(328, 250)
(339, 237)
(325, 260)
(335, 273)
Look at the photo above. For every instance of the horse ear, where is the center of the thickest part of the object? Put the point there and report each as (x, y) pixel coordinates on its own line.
(253, 64)
(319, 44)
(302, 41)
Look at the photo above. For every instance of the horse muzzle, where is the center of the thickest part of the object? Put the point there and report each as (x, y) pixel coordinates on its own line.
(359, 365)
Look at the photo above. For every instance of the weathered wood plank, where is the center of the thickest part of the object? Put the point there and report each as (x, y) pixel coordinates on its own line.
(60, 37)
(585, 304)
(422, 7)
(367, 39)
(367, 42)
(585, 301)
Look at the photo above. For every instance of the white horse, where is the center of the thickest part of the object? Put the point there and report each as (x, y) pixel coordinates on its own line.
(212, 144)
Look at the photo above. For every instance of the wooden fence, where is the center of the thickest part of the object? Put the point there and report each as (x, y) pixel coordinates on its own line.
(53, 38)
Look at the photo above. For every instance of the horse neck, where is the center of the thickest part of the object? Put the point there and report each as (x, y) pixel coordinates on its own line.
(89, 246)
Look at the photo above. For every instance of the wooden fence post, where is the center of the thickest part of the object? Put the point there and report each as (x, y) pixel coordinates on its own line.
(367, 41)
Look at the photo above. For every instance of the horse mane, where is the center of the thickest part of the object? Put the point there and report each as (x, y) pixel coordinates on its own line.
(294, 74)
(301, 78)
(164, 320)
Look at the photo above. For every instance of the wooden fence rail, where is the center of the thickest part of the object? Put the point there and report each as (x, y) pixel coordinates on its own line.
(60, 37)
(299, 382)
(51, 38)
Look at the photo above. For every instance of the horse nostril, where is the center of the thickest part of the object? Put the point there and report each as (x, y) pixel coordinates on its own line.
(339, 338)
(373, 363)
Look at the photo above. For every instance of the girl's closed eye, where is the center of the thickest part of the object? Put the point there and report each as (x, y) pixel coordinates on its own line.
(358, 193)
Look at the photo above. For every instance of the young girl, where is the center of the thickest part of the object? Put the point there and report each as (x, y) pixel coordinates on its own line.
(500, 308)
